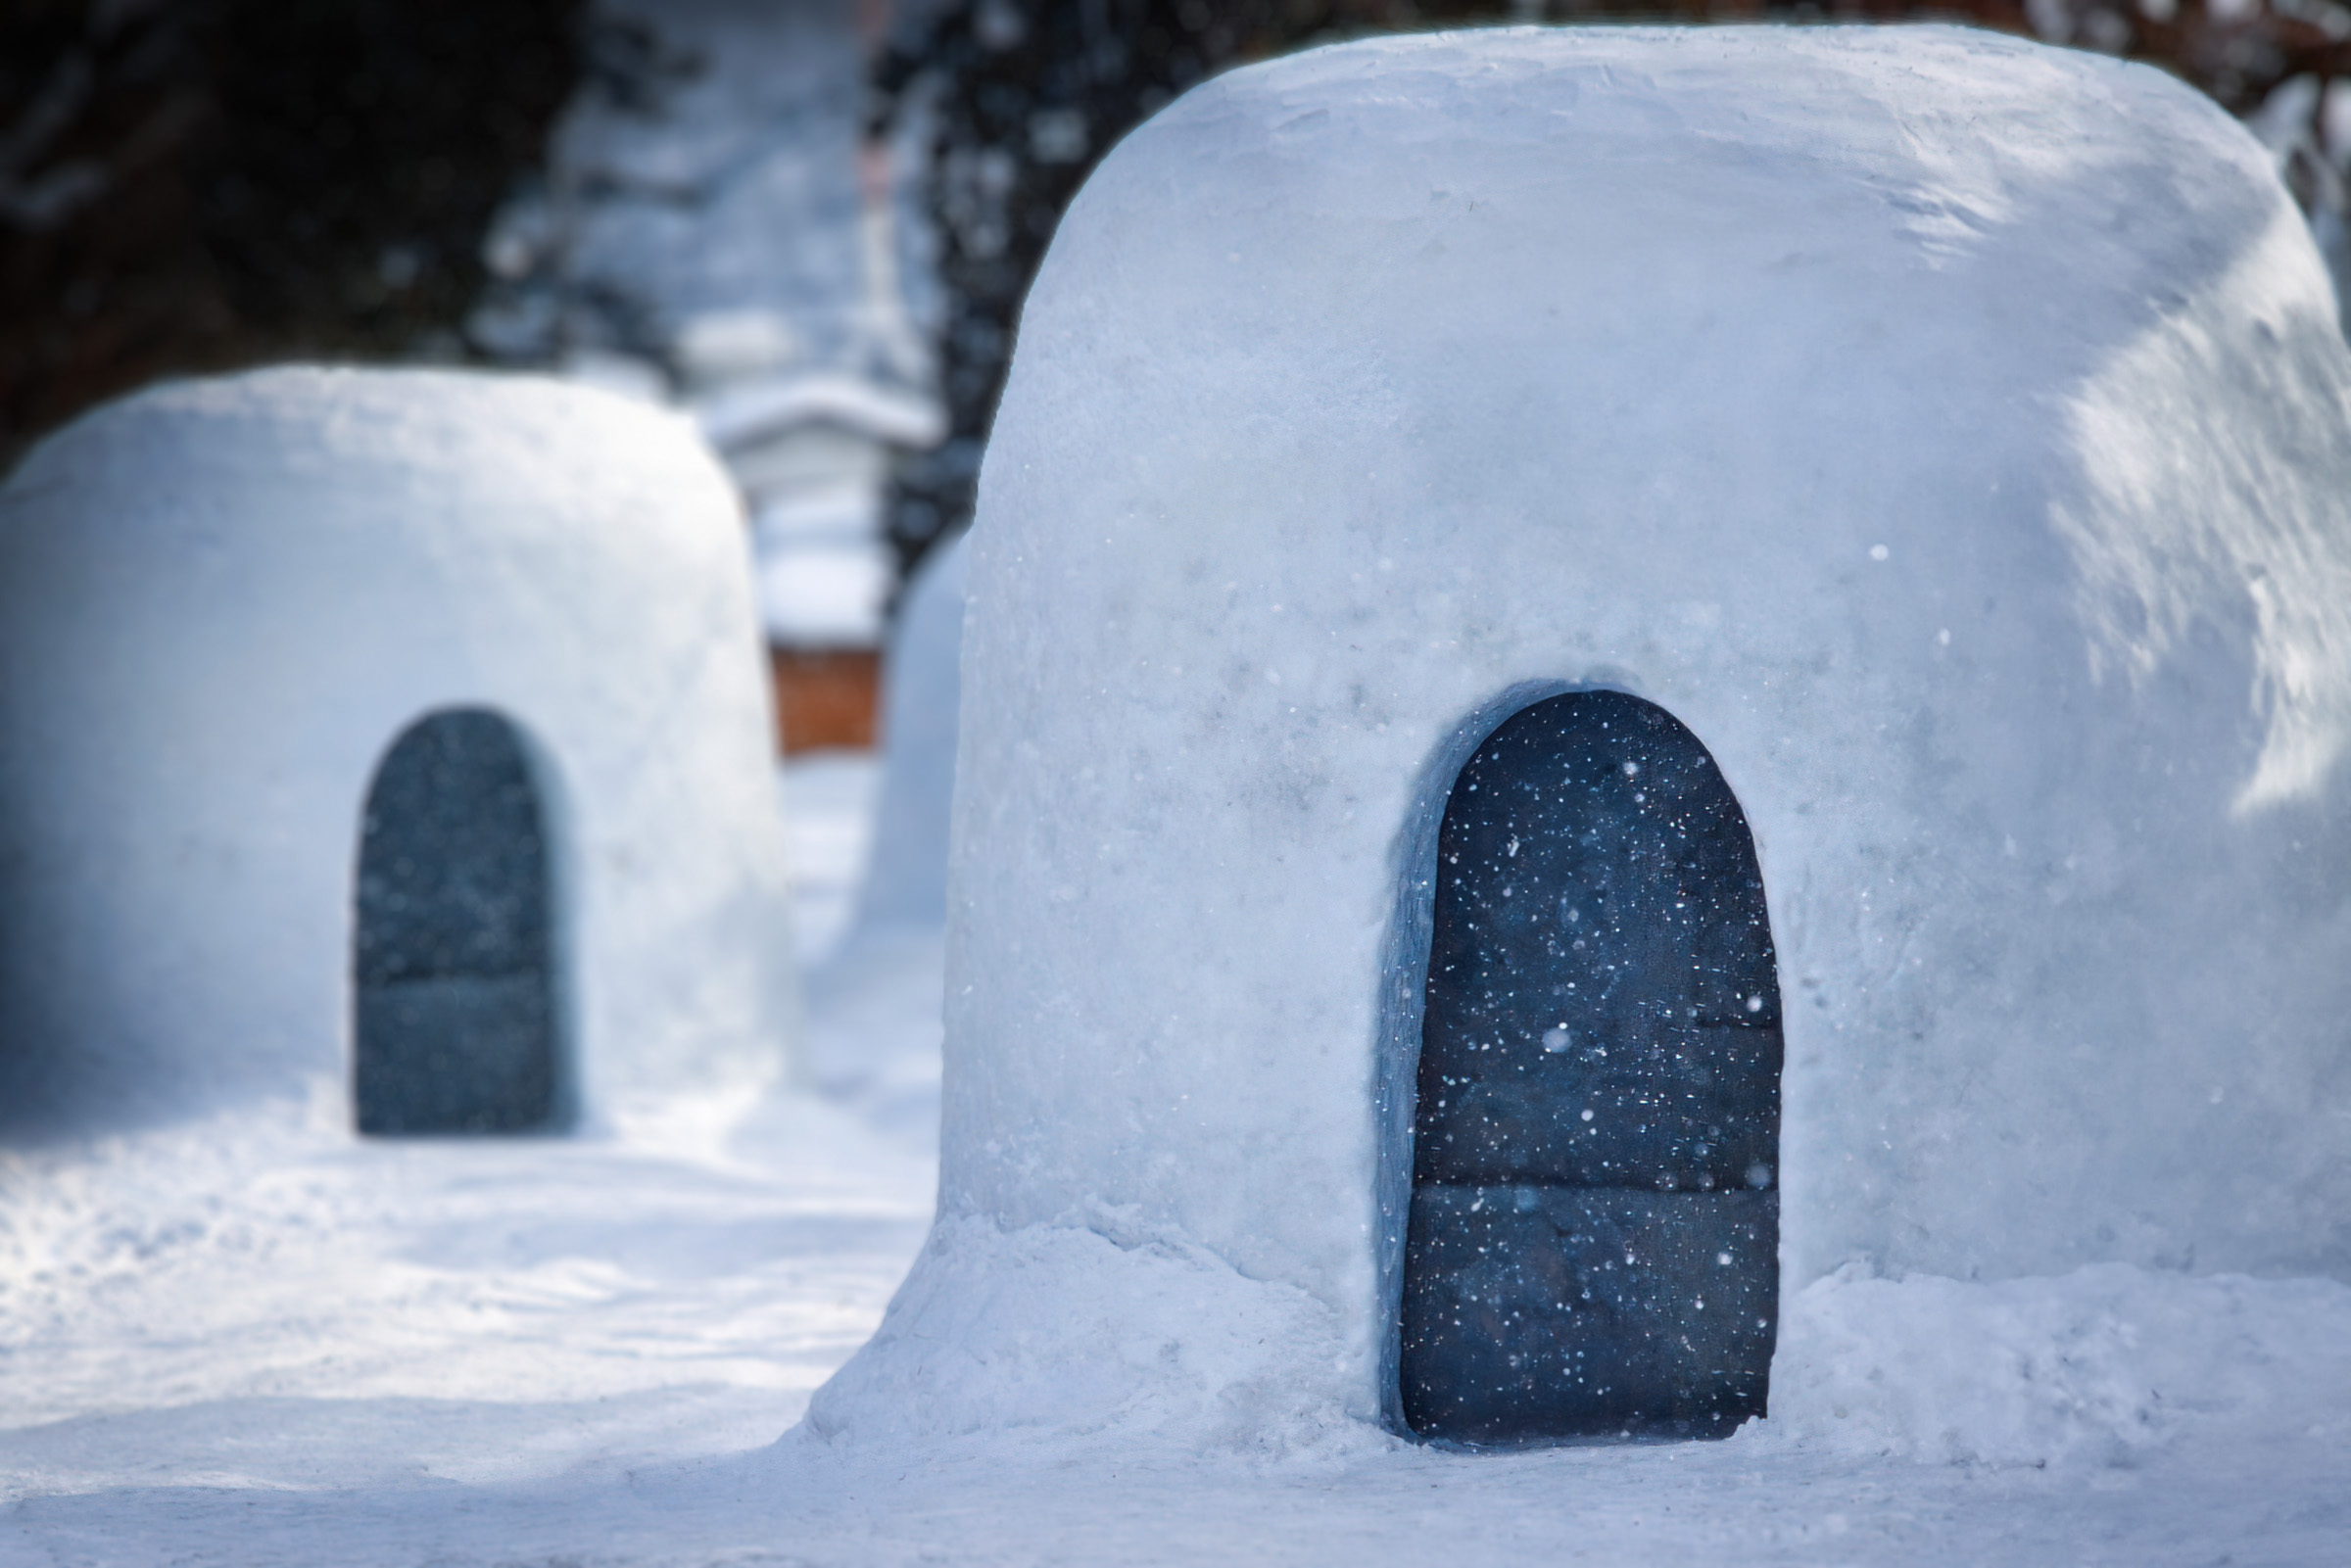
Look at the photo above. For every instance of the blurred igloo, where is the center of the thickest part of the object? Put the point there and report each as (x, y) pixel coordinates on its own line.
(393, 730)
(874, 1001)
(906, 876)
(1609, 672)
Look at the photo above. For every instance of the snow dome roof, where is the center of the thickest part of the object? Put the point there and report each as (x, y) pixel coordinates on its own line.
(222, 602)
(1949, 431)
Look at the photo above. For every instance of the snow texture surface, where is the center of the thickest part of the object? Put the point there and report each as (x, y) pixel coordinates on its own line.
(1950, 431)
(220, 602)
(874, 983)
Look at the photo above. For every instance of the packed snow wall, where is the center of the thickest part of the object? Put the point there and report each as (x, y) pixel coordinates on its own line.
(1951, 432)
(222, 602)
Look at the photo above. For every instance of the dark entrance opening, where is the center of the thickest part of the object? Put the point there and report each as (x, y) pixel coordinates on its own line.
(1593, 1245)
(455, 1020)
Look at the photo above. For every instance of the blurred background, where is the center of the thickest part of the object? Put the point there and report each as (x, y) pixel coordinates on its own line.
(807, 225)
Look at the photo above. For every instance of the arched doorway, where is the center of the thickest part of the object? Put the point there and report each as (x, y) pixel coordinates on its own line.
(455, 1016)
(1593, 1243)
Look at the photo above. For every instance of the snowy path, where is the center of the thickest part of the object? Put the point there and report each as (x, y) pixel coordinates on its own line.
(2284, 1502)
(324, 1313)
(223, 1346)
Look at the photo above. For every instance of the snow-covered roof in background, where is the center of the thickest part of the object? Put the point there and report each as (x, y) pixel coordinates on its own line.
(1950, 431)
(744, 413)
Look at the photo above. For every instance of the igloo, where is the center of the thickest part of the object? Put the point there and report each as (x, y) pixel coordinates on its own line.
(396, 740)
(1610, 672)
(906, 874)
(873, 1001)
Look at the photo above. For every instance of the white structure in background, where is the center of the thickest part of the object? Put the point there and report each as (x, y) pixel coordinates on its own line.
(711, 231)
(812, 455)
(1794, 381)
(224, 603)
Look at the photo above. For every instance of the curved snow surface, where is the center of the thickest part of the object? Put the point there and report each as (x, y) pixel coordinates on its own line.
(221, 601)
(1954, 433)
(906, 878)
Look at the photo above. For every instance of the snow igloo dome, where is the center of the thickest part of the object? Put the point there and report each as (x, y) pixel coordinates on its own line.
(396, 736)
(1609, 672)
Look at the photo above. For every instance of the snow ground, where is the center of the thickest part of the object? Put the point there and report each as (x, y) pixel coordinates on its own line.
(828, 819)
(230, 1343)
